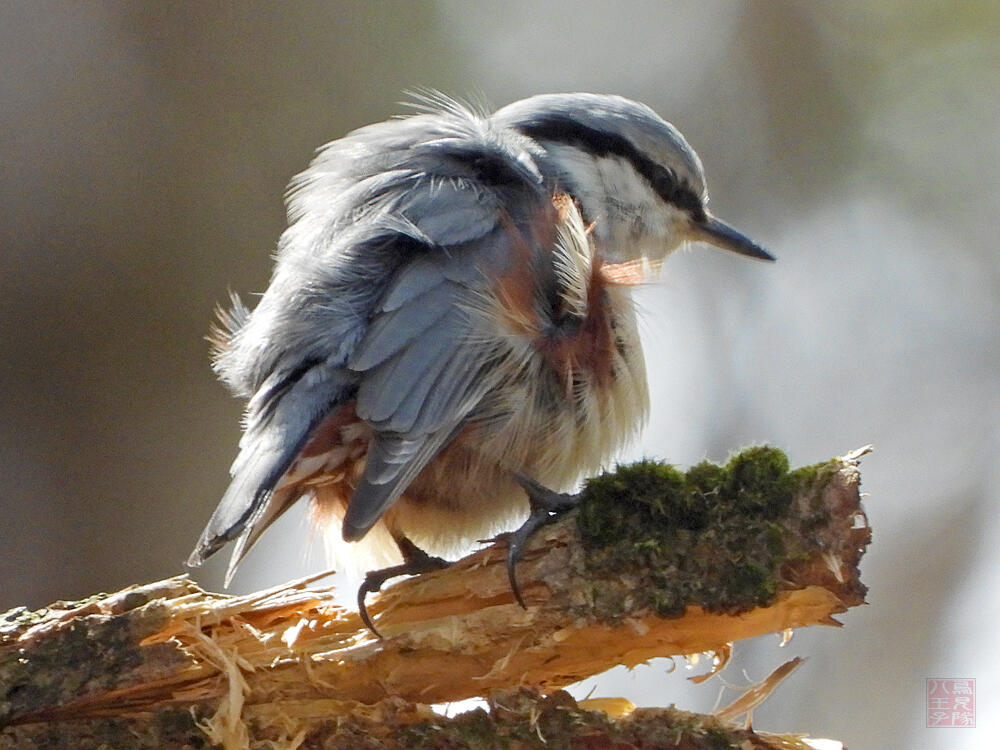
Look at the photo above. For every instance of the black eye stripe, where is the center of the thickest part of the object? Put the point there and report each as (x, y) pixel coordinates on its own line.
(598, 143)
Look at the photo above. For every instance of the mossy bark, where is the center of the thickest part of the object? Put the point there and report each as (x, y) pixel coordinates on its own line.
(654, 563)
(512, 720)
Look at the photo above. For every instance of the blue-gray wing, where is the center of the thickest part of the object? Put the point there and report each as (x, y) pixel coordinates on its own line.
(389, 229)
(424, 366)
(434, 347)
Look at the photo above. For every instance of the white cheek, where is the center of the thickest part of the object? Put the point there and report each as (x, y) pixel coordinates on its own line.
(639, 222)
(667, 230)
(630, 220)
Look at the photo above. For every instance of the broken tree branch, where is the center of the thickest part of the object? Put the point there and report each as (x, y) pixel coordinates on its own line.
(654, 563)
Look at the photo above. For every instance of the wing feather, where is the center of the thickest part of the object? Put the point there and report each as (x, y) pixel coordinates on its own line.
(385, 390)
(393, 462)
(407, 415)
(420, 276)
(389, 333)
(389, 229)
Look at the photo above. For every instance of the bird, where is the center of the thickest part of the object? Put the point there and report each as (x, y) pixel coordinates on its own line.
(449, 339)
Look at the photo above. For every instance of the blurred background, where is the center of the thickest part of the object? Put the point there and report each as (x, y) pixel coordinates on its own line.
(144, 150)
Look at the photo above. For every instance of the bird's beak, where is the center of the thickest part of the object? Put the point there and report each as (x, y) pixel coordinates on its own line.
(723, 236)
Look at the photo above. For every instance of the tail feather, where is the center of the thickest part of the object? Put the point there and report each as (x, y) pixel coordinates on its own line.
(249, 499)
(275, 435)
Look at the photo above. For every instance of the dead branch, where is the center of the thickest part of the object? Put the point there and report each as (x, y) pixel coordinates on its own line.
(716, 555)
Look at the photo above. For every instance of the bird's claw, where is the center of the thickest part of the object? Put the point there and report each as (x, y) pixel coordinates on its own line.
(415, 561)
(546, 506)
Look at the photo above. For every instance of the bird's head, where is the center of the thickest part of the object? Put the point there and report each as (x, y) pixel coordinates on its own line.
(633, 174)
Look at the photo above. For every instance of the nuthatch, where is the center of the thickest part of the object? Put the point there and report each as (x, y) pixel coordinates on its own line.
(449, 323)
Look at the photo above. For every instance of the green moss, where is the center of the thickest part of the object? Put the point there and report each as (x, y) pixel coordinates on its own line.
(716, 536)
(758, 482)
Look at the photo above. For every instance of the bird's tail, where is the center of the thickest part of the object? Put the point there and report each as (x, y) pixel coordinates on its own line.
(277, 429)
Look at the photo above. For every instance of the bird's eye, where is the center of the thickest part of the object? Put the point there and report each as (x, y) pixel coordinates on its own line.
(674, 191)
(664, 184)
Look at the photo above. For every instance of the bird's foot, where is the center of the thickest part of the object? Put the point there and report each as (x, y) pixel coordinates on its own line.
(546, 507)
(415, 561)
